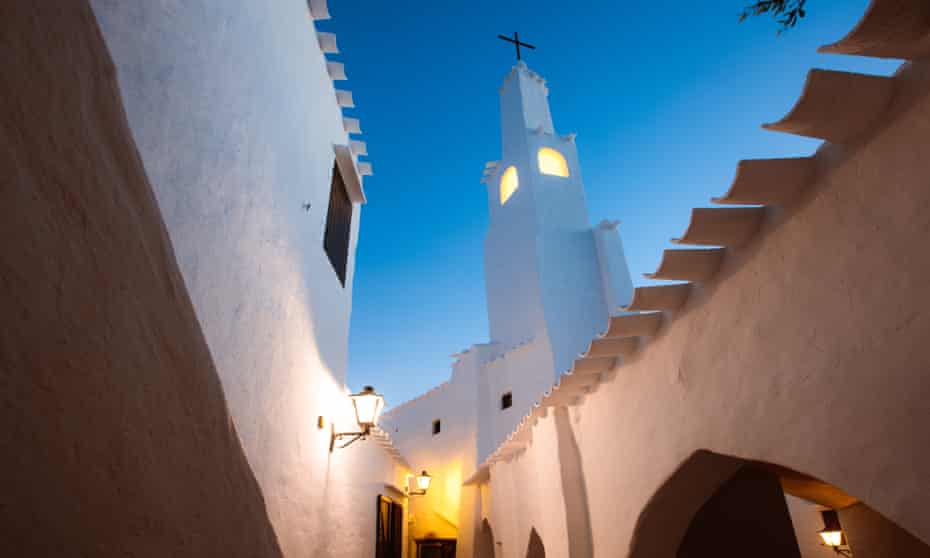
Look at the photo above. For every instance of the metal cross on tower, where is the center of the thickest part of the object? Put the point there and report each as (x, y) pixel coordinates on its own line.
(516, 41)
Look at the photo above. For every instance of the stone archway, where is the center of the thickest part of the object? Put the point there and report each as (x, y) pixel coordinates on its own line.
(484, 545)
(535, 548)
(717, 505)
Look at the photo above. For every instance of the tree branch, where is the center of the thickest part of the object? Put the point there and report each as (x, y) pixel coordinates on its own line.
(786, 12)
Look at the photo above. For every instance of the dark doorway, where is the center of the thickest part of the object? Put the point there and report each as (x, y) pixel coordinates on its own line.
(723, 506)
(435, 548)
(389, 540)
(747, 515)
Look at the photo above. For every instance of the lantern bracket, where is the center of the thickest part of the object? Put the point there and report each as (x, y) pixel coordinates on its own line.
(423, 482)
(841, 550)
(353, 437)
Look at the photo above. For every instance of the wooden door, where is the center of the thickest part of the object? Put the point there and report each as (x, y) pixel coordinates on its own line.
(390, 529)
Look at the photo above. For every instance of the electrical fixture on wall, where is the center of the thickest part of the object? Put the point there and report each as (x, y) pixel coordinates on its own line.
(368, 405)
(832, 533)
(422, 481)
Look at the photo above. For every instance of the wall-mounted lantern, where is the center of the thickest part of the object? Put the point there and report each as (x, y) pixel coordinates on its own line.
(422, 481)
(368, 405)
(832, 533)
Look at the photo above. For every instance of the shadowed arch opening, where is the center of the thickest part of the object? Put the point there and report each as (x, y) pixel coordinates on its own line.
(535, 548)
(722, 506)
(484, 546)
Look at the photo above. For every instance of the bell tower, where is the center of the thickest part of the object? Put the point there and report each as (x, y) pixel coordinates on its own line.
(542, 270)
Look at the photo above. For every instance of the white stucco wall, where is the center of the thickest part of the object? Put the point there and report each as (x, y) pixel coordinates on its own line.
(235, 117)
(534, 473)
(789, 355)
(512, 282)
(521, 371)
(615, 272)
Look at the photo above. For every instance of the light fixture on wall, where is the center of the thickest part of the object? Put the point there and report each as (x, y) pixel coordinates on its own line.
(368, 405)
(832, 533)
(422, 482)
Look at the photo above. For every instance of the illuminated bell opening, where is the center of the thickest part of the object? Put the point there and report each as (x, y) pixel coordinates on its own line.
(552, 162)
(423, 480)
(368, 405)
(510, 181)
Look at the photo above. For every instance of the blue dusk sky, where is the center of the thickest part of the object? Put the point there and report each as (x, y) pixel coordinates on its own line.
(665, 96)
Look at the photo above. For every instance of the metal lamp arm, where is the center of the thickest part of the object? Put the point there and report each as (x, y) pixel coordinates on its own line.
(355, 436)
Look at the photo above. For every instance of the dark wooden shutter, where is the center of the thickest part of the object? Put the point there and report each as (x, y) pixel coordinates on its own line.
(389, 539)
(381, 536)
(338, 226)
(397, 530)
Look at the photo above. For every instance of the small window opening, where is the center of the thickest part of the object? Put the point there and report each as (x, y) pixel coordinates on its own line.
(338, 225)
(436, 427)
(507, 400)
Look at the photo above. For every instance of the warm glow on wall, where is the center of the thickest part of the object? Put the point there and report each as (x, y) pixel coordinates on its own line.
(453, 489)
(509, 183)
(552, 162)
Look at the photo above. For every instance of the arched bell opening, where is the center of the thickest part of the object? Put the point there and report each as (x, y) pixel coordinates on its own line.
(722, 506)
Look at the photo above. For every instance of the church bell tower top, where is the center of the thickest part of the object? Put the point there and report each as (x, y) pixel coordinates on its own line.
(524, 105)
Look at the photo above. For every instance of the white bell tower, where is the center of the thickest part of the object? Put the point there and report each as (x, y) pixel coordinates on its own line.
(543, 273)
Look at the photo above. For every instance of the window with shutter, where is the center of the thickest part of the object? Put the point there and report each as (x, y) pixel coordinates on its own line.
(338, 226)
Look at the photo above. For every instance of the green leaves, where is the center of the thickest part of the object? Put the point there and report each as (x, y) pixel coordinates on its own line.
(786, 12)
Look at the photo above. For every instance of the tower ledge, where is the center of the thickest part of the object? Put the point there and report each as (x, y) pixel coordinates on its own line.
(522, 67)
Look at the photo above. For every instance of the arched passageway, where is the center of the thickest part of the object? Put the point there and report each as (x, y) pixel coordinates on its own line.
(535, 548)
(484, 545)
(716, 505)
(748, 511)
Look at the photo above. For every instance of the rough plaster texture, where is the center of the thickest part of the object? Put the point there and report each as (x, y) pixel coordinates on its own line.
(808, 351)
(528, 496)
(870, 534)
(235, 117)
(116, 439)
